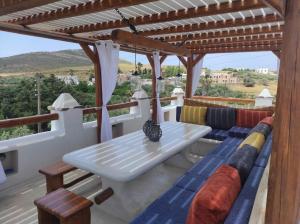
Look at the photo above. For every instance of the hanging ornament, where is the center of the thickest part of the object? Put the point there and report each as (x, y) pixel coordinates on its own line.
(160, 84)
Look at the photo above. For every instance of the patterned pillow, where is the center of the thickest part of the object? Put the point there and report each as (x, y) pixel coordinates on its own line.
(262, 128)
(220, 118)
(268, 121)
(193, 115)
(250, 118)
(243, 159)
(214, 200)
(256, 140)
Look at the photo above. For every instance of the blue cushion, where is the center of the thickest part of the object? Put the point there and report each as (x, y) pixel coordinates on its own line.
(243, 160)
(206, 166)
(226, 148)
(171, 208)
(262, 128)
(263, 157)
(178, 113)
(217, 134)
(242, 207)
(220, 118)
(239, 132)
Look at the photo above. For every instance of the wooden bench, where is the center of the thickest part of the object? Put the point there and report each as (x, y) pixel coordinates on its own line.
(63, 207)
(55, 176)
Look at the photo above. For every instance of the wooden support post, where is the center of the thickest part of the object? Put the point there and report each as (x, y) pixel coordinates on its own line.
(277, 53)
(93, 55)
(283, 204)
(154, 104)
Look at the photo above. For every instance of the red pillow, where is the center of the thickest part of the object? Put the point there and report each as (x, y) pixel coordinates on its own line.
(214, 200)
(250, 118)
(268, 121)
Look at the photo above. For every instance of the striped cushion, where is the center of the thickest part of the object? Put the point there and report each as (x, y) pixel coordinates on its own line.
(243, 160)
(242, 208)
(220, 118)
(256, 140)
(239, 132)
(226, 148)
(217, 134)
(214, 200)
(171, 208)
(263, 157)
(262, 128)
(193, 115)
(250, 118)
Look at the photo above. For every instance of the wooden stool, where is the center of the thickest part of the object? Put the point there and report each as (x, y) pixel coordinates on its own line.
(55, 176)
(63, 207)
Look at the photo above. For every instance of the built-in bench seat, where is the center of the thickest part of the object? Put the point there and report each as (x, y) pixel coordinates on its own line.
(217, 134)
(173, 206)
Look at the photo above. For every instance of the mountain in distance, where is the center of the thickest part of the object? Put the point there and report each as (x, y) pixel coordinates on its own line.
(43, 61)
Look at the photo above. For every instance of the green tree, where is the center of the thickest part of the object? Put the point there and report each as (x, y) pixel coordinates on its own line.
(249, 82)
(206, 82)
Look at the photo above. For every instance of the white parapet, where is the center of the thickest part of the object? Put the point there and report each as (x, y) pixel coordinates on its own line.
(264, 99)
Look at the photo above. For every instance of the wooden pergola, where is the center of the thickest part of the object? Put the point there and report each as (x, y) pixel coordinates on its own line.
(200, 27)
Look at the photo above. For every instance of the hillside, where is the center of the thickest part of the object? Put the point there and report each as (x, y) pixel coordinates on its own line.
(44, 61)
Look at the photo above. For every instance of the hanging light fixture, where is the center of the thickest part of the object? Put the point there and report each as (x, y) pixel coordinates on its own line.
(160, 84)
(136, 79)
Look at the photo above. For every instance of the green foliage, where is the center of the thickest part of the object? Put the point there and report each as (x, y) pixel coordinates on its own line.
(172, 71)
(221, 91)
(249, 82)
(206, 82)
(14, 132)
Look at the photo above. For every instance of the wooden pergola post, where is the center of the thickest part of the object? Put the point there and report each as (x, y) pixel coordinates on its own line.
(283, 205)
(189, 65)
(94, 56)
(154, 103)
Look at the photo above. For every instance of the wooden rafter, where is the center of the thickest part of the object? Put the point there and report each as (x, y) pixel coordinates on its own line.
(14, 28)
(224, 34)
(133, 40)
(11, 6)
(278, 5)
(238, 48)
(242, 39)
(78, 10)
(248, 21)
(210, 10)
(242, 43)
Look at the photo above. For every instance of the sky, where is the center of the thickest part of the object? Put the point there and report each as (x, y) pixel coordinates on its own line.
(14, 44)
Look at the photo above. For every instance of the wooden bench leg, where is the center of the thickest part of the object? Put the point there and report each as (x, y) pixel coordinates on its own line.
(46, 218)
(82, 217)
(54, 182)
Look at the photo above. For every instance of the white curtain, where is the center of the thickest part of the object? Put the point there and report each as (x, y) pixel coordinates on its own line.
(109, 59)
(2, 174)
(196, 74)
(156, 59)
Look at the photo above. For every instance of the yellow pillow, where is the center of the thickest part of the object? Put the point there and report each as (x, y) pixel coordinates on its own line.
(193, 115)
(256, 140)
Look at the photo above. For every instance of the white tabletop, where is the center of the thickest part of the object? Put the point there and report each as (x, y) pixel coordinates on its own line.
(127, 157)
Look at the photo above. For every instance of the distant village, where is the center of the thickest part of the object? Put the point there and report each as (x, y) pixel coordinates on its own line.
(218, 77)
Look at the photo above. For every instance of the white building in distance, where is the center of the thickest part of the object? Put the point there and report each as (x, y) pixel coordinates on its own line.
(262, 71)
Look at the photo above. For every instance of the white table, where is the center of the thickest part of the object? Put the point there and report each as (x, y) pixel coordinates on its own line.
(134, 167)
(127, 157)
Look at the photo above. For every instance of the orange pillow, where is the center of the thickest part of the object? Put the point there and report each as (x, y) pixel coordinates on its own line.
(214, 200)
(250, 118)
(268, 121)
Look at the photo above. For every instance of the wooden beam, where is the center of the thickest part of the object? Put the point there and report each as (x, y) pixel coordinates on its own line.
(210, 10)
(277, 53)
(183, 61)
(45, 34)
(11, 6)
(283, 204)
(189, 78)
(78, 10)
(89, 52)
(163, 58)
(278, 5)
(223, 34)
(238, 48)
(270, 18)
(236, 40)
(154, 104)
(244, 44)
(197, 59)
(124, 37)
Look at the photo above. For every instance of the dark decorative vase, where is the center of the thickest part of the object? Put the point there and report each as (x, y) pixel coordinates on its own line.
(155, 133)
(147, 127)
